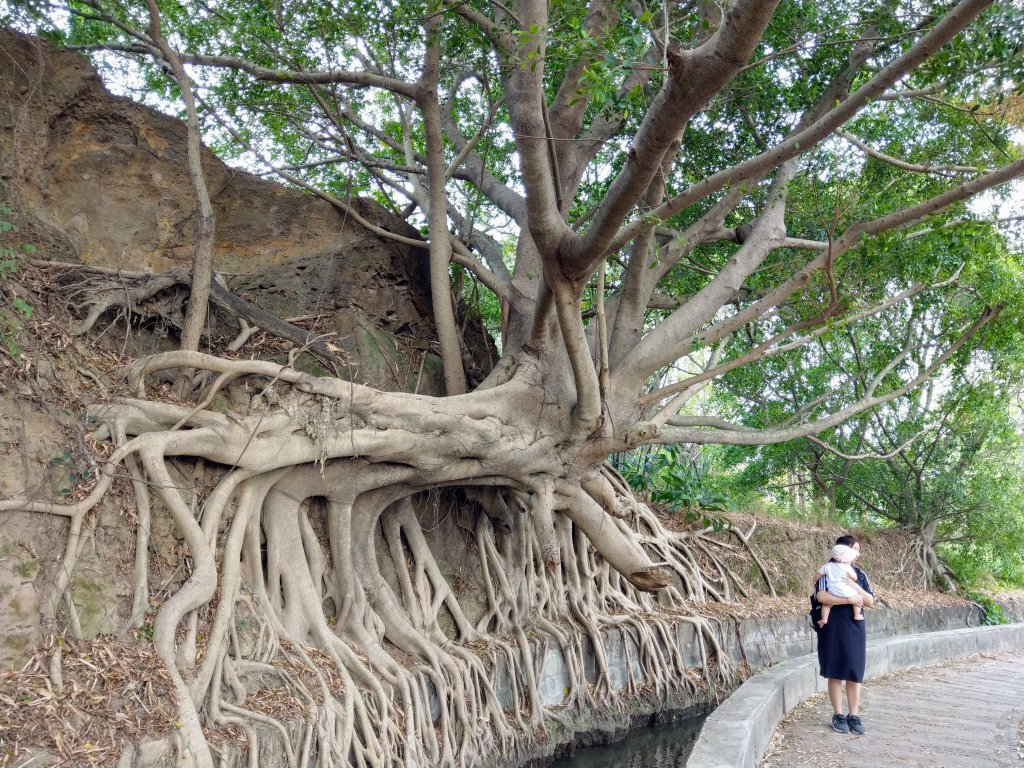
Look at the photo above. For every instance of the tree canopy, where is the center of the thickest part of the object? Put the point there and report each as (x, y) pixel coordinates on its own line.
(535, 145)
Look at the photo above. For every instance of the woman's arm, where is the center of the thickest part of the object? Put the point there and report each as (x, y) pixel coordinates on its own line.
(866, 597)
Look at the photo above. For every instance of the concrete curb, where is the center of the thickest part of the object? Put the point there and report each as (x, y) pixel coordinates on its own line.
(737, 733)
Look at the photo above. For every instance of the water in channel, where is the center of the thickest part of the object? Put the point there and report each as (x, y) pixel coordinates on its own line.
(657, 746)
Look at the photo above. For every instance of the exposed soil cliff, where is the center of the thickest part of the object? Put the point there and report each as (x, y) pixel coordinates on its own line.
(100, 180)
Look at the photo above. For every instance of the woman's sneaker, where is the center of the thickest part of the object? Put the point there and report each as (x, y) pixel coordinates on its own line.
(839, 724)
(854, 724)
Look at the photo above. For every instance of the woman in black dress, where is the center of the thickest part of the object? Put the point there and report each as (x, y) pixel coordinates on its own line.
(842, 647)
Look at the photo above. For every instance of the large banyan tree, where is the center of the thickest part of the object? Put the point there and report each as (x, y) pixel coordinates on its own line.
(652, 198)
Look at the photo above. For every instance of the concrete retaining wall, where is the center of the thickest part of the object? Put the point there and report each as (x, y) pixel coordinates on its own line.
(758, 642)
(737, 733)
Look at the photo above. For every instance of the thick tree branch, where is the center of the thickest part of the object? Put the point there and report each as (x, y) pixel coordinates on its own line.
(527, 108)
(437, 212)
(848, 240)
(694, 77)
(638, 283)
(588, 406)
(659, 347)
(474, 170)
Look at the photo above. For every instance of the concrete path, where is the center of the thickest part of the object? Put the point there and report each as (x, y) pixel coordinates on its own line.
(967, 713)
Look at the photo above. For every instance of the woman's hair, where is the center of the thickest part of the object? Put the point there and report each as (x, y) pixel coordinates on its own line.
(847, 541)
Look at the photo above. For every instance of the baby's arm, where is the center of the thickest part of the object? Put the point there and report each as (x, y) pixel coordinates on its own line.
(841, 588)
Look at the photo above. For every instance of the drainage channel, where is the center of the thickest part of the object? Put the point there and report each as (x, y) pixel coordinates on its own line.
(667, 745)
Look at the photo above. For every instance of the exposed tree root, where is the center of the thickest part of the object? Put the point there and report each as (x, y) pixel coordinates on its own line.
(141, 295)
(935, 571)
(310, 539)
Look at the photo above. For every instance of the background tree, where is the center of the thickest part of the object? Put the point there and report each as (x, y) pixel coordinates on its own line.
(939, 462)
(638, 185)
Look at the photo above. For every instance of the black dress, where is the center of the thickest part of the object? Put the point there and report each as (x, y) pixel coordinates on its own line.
(842, 642)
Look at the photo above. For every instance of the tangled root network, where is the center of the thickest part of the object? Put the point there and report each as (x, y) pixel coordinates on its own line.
(310, 570)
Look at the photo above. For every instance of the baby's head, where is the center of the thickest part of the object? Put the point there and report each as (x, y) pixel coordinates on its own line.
(842, 553)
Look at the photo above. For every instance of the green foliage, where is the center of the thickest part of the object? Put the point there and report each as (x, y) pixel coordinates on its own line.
(484, 306)
(678, 483)
(144, 634)
(993, 611)
(984, 546)
(949, 457)
(77, 470)
(945, 458)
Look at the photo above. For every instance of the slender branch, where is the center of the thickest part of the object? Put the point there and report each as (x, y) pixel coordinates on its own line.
(202, 261)
(870, 454)
(708, 228)
(907, 216)
(470, 145)
(462, 256)
(488, 247)
(767, 436)
(957, 222)
(338, 203)
(335, 76)
(945, 170)
(602, 128)
(708, 421)
(602, 336)
(911, 94)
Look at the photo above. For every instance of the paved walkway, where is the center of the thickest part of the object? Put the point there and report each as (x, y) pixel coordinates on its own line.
(962, 714)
